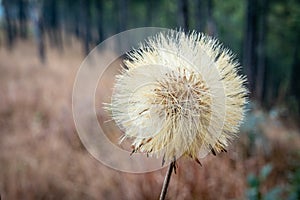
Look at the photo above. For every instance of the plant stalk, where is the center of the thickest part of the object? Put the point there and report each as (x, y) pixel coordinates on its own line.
(167, 181)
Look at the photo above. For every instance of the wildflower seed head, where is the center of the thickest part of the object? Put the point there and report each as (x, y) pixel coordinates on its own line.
(169, 98)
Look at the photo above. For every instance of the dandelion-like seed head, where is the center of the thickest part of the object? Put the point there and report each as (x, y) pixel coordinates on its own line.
(168, 97)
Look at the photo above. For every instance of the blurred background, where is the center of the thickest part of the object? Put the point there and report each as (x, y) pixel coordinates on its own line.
(42, 44)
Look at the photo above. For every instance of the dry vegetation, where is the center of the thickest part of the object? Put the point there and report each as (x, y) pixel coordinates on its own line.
(41, 156)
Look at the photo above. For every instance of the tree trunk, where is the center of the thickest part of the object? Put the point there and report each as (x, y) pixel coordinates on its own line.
(211, 25)
(8, 23)
(183, 14)
(86, 25)
(52, 22)
(99, 6)
(123, 14)
(261, 53)
(295, 81)
(249, 54)
(23, 18)
(38, 31)
(200, 16)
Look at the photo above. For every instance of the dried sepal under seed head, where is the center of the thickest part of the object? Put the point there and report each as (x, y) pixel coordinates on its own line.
(168, 99)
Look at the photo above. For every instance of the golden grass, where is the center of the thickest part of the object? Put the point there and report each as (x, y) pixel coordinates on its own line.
(41, 156)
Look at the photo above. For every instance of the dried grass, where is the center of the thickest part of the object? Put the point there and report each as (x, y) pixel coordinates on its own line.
(42, 158)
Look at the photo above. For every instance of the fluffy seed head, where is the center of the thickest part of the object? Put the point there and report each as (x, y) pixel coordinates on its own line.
(179, 94)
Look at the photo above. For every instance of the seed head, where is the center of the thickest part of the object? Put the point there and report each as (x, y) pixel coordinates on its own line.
(179, 94)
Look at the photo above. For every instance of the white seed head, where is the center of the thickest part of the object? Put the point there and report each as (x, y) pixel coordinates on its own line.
(179, 94)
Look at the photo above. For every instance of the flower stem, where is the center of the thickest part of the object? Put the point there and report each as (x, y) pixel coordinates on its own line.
(167, 181)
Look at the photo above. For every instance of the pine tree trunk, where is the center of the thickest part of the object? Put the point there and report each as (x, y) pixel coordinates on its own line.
(249, 53)
(8, 23)
(183, 14)
(261, 54)
(295, 81)
(123, 14)
(99, 6)
(200, 16)
(23, 18)
(211, 25)
(86, 26)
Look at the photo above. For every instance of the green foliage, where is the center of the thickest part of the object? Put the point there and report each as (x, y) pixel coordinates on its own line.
(294, 190)
(265, 171)
(291, 191)
(273, 194)
(255, 183)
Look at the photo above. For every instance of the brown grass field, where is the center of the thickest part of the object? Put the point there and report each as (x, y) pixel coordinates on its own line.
(41, 156)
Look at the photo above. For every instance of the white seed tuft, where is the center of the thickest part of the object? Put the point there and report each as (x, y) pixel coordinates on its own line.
(180, 94)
